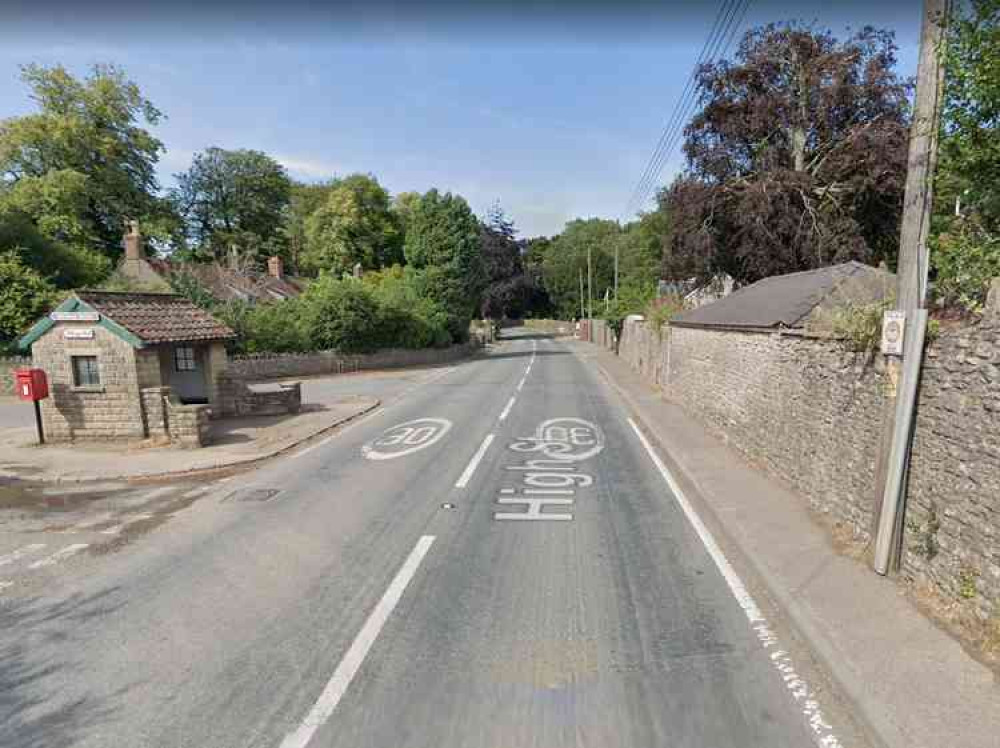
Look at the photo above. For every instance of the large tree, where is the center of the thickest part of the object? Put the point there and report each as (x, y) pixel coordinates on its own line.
(508, 288)
(565, 260)
(353, 225)
(443, 245)
(233, 199)
(83, 163)
(796, 159)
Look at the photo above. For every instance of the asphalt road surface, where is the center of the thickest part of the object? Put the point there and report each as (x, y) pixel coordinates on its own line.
(494, 560)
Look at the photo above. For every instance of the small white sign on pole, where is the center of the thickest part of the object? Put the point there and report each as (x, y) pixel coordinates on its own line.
(78, 333)
(893, 330)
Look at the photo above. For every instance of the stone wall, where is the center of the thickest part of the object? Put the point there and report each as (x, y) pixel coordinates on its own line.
(550, 326)
(280, 365)
(189, 425)
(113, 410)
(810, 412)
(7, 367)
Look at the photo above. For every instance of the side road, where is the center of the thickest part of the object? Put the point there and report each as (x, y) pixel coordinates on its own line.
(911, 683)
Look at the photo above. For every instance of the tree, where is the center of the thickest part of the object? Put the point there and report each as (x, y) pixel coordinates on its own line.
(233, 199)
(796, 160)
(641, 246)
(304, 200)
(566, 258)
(24, 297)
(83, 164)
(507, 286)
(353, 224)
(537, 302)
(339, 314)
(403, 206)
(443, 243)
(965, 242)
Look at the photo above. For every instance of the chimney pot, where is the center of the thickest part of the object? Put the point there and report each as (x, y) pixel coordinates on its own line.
(275, 267)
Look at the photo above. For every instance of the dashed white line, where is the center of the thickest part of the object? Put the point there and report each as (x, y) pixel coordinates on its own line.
(466, 476)
(20, 553)
(506, 410)
(780, 659)
(115, 529)
(341, 679)
(60, 555)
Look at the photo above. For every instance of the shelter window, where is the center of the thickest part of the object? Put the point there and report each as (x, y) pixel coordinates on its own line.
(86, 372)
(184, 358)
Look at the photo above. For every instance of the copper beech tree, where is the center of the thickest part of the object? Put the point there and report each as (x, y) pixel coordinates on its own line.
(796, 159)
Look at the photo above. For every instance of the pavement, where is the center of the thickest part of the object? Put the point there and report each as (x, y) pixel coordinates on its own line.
(908, 681)
(494, 557)
(234, 442)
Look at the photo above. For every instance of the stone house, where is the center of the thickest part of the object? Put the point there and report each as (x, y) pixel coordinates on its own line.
(130, 366)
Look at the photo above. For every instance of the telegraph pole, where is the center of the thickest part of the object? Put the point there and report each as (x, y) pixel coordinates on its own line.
(616, 271)
(911, 289)
(583, 312)
(590, 285)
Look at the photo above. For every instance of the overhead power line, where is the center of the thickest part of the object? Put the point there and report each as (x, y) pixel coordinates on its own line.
(725, 28)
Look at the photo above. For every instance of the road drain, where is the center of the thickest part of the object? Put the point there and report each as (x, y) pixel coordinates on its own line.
(252, 494)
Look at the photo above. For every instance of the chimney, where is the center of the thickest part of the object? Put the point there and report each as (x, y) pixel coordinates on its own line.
(275, 267)
(133, 242)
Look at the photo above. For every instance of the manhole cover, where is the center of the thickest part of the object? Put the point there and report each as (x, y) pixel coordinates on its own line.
(252, 494)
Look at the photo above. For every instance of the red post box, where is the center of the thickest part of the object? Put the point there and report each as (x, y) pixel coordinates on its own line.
(31, 384)
(34, 387)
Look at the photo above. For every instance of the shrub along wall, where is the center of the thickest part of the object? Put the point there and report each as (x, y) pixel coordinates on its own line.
(810, 412)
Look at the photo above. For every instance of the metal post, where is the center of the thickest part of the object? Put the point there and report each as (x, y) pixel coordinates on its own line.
(38, 422)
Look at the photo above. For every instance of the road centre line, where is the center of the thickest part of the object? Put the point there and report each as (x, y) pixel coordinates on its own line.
(59, 555)
(506, 410)
(341, 679)
(20, 553)
(802, 694)
(466, 476)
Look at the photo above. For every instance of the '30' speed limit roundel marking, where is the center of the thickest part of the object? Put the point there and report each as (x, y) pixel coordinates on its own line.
(406, 438)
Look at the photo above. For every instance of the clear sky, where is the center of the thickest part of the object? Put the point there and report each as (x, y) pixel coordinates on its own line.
(554, 112)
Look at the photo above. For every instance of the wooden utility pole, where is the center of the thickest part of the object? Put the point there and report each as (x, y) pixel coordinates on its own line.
(590, 285)
(583, 311)
(911, 281)
(616, 271)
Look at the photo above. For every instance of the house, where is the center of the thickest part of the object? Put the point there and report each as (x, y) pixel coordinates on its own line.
(129, 366)
(231, 281)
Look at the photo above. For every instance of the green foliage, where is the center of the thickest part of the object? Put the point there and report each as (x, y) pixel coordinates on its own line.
(82, 164)
(353, 224)
(272, 328)
(965, 262)
(340, 314)
(660, 311)
(967, 578)
(443, 242)
(24, 297)
(859, 325)
(233, 199)
(565, 259)
(191, 288)
(408, 317)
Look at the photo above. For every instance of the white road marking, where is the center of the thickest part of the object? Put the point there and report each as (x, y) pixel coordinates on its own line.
(417, 434)
(92, 522)
(466, 476)
(341, 679)
(115, 529)
(534, 511)
(782, 661)
(20, 553)
(5, 584)
(61, 554)
(194, 492)
(506, 410)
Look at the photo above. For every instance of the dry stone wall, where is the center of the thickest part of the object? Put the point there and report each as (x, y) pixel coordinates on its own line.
(810, 412)
(7, 367)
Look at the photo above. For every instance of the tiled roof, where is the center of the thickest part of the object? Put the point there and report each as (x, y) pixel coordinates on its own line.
(228, 284)
(157, 317)
(788, 300)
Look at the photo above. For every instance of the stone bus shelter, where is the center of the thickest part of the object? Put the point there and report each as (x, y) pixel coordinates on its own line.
(130, 366)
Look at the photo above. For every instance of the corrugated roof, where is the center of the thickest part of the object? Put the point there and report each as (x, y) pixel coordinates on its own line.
(787, 300)
(157, 317)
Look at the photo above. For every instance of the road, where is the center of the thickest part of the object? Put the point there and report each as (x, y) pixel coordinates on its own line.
(494, 560)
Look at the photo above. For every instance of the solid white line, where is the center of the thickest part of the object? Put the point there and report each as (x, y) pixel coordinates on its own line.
(780, 659)
(520, 385)
(20, 553)
(59, 555)
(337, 686)
(506, 411)
(463, 480)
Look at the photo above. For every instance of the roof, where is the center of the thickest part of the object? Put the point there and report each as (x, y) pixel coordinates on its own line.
(229, 284)
(140, 319)
(788, 300)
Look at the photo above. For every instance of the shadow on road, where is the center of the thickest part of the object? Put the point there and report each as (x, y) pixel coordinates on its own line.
(34, 709)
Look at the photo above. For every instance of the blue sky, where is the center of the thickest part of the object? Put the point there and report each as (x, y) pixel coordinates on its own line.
(556, 120)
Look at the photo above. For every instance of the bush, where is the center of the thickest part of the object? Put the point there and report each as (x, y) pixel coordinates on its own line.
(661, 310)
(965, 262)
(339, 314)
(408, 318)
